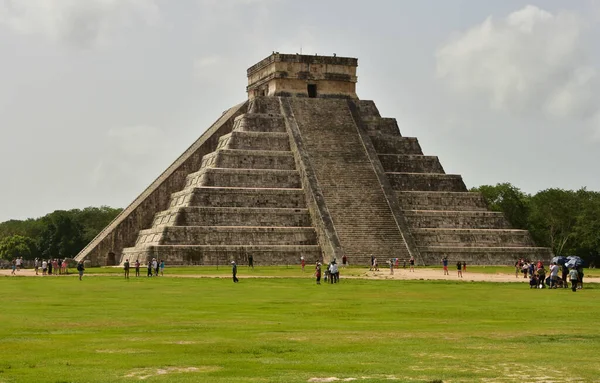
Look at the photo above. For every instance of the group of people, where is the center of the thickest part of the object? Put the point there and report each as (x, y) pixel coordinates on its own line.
(154, 267)
(537, 275)
(47, 266)
(332, 272)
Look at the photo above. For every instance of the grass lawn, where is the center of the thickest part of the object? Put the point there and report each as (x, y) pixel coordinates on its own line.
(106, 329)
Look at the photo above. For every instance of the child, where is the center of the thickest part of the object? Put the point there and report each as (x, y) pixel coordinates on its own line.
(532, 282)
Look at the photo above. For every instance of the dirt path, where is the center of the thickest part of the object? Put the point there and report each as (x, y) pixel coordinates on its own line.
(402, 274)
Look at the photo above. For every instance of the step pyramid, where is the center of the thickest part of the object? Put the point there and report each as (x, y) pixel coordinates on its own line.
(306, 169)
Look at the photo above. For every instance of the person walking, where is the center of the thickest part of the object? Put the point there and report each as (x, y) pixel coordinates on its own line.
(13, 267)
(318, 272)
(36, 265)
(149, 268)
(162, 267)
(344, 261)
(464, 266)
(411, 263)
(126, 268)
(302, 262)
(445, 265)
(574, 277)
(44, 267)
(459, 269)
(234, 272)
(375, 265)
(565, 273)
(137, 267)
(155, 266)
(392, 266)
(251, 261)
(80, 269)
(580, 277)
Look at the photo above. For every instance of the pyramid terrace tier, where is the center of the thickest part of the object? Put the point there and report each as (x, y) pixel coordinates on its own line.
(393, 144)
(250, 178)
(472, 237)
(381, 125)
(226, 235)
(233, 216)
(249, 159)
(426, 182)
(254, 141)
(456, 219)
(259, 122)
(223, 255)
(410, 163)
(239, 197)
(433, 200)
(432, 255)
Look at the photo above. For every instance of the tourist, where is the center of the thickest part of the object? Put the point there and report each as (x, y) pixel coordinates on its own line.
(411, 262)
(234, 272)
(50, 267)
(44, 267)
(459, 268)
(580, 277)
(553, 275)
(464, 266)
(531, 268)
(302, 262)
(162, 267)
(250, 261)
(372, 263)
(36, 265)
(392, 266)
(445, 265)
(574, 277)
(565, 273)
(541, 276)
(518, 268)
(55, 266)
(344, 261)
(155, 266)
(318, 273)
(334, 274)
(80, 269)
(137, 267)
(126, 268)
(532, 282)
(375, 264)
(14, 266)
(149, 268)
(64, 266)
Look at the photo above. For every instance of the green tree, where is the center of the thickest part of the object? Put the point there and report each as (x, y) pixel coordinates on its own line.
(17, 246)
(62, 237)
(508, 199)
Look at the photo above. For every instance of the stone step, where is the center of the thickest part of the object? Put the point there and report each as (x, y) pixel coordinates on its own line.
(240, 197)
(254, 141)
(259, 122)
(392, 144)
(227, 235)
(253, 178)
(410, 163)
(456, 219)
(223, 255)
(432, 255)
(472, 237)
(433, 200)
(426, 182)
(381, 125)
(249, 159)
(241, 216)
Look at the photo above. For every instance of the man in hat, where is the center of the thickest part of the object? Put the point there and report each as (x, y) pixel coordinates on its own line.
(234, 271)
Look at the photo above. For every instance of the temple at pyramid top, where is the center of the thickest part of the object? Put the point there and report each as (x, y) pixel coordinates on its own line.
(294, 75)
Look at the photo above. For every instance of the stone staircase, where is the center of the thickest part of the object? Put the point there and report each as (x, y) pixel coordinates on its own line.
(444, 218)
(351, 189)
(246, 199)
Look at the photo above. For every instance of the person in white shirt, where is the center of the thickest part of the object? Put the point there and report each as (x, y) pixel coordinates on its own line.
(553, 275)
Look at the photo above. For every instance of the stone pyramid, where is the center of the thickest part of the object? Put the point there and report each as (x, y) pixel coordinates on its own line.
(304, 168)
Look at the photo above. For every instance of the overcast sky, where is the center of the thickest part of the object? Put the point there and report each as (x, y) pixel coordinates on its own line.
(98, 97)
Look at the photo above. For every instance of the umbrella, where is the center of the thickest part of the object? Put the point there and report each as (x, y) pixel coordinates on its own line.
(574, 261)
(560, 260)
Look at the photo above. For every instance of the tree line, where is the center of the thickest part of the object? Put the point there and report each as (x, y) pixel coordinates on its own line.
(60, 234)
(567, 221)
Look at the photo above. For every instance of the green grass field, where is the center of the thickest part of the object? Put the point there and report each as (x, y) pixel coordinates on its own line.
(106, 329)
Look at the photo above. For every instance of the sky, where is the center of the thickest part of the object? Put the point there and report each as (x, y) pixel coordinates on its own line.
(98, 97)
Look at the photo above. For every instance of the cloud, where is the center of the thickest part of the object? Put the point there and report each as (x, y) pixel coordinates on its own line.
(531, 61)
(78, 23)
